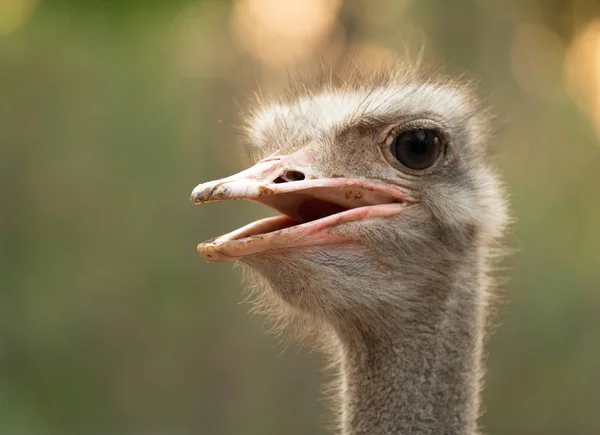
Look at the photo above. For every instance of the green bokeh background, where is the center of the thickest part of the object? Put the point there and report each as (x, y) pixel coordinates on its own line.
(112, 111)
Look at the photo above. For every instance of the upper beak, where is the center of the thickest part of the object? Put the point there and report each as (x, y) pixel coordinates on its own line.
(292, 185)
(293, 175)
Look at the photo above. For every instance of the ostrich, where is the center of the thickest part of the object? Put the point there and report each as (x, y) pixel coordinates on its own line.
(390, 220)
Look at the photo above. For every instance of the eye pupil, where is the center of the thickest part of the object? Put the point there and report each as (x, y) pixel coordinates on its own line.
(417, 149)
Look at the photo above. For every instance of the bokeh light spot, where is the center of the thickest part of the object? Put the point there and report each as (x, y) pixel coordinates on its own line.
(582, 71)
(14, 14)
(280, 32)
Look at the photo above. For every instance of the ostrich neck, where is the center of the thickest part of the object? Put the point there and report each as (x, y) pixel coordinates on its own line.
(422, 376)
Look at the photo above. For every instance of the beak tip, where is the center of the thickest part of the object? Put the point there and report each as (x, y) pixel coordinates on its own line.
(203, 192)
(196, 197)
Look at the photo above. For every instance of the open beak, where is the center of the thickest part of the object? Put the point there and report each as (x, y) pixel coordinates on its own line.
(310, 203)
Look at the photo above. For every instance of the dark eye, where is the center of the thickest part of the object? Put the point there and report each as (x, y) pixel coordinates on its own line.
(417, 149)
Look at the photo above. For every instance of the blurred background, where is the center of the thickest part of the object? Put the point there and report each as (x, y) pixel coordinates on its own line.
(112, 111)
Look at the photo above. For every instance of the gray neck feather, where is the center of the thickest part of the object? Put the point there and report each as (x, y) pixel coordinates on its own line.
(422, 376)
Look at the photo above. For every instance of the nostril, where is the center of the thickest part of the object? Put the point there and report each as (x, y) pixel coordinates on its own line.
(288, 176)
(293, 176)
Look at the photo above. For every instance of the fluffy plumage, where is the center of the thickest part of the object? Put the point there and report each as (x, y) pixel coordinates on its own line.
(401, 309)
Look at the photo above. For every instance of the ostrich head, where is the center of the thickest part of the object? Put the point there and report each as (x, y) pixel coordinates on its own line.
(383, 190)
(389, 214)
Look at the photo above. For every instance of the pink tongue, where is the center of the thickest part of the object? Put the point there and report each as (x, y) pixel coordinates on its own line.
(313, 209)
